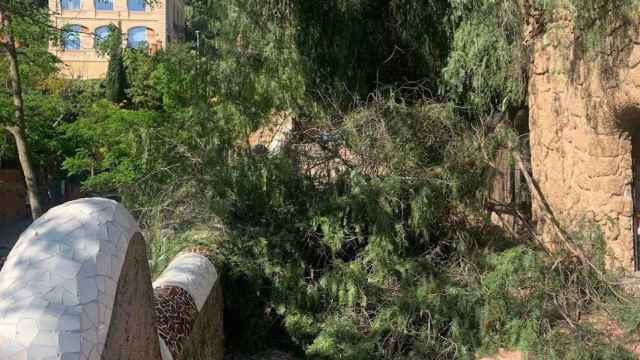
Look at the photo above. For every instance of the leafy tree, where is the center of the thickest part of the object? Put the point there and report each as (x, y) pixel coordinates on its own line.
(362, 45)
(486, 68)
(112, 143)
(116, 81)
(19, 23)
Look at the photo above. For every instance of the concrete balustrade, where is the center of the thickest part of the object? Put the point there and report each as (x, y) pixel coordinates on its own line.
(77, 286)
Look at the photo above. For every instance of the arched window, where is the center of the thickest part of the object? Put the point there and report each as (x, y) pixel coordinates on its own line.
(72, 37)
(136, 5)
(104, 5)
(70, 4)
(102, 34)
(137, 38)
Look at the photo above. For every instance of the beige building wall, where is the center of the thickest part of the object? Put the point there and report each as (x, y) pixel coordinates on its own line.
(164, 21)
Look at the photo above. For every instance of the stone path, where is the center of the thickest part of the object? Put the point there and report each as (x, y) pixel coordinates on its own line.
(9, 234)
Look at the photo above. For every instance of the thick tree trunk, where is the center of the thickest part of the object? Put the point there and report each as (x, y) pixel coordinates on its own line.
(27, 170)
(18, 128)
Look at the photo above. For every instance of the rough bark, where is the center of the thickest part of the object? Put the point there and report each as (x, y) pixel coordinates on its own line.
(18, 128)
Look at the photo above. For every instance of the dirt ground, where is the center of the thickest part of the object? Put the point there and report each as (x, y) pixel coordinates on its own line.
(506, 355)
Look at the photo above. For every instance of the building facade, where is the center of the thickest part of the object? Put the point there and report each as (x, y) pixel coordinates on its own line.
(144, 23)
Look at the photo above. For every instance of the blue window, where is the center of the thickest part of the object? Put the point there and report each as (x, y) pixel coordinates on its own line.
(137, 37)
(70, 4)
(104, 5)
(72, 37)
(136, 5)
(102, 34)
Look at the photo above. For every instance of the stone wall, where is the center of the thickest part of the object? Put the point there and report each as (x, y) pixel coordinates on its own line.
(582, 116)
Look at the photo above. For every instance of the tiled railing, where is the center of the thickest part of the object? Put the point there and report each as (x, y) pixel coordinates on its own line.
(77, 286)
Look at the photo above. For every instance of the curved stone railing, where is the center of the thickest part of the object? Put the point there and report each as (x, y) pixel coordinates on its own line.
(181, 294)
(77, 286)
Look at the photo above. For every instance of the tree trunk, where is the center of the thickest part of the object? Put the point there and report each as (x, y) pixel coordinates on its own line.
(18, 128)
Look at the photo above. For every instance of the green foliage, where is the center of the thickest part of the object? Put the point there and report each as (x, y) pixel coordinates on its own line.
(256, 64)
(114, 146)
(31, 30)
(168, 244)
(597, 20)
(339, 47)
(43, 113)
(515, 294)
(589, 344)
(45, 119)
(32, 36)
(116, 79)
(359, 45)
(374, 239)
(486, 68)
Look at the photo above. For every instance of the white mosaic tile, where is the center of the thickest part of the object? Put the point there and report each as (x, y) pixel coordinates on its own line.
(164, 350)
(191, 272)
(57, 287)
